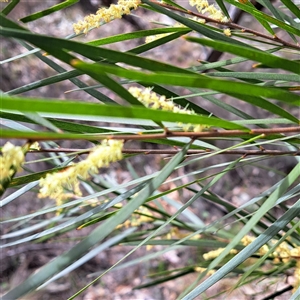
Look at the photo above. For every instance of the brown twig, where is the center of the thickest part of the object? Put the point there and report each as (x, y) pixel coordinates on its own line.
(165, 134)
(174, 151)
(192, 135)
(228, 24)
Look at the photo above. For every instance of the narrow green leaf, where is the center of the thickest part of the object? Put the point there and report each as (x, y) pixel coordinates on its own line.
(153, 234)
(210, 243)
(74, 222)
(174, 4)
(292, 7)
(257, 75)
(261, 15)
(92, 52)
(136, 35)
(269, 253)
(276, 12)
(63, 125)
(17, 181)
(201, 28)
(156, 43)
(77, 221)
(114, 86)
(230, 108)
(42, 121)
(178, 99)
(44, 82)
(260, 241)
(19, 192)
(9, 7)
(187, 80)
(102, 231)
(262, 21)
(48, 11)
(165, 279)
(64, 75)
(32, 228)
(223, 8)
(90, 109)
(10, 24)
(253, 54)
(267, 105)
(91, 254)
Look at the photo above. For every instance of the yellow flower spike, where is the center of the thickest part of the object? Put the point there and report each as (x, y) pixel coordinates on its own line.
(276, 261)
(247, 239)
(201, 270)
(263, 250)
(227, 32)
(152, 38)
(35, 146)
(105, 15)
(54, 184)
(152, 100)
(296, 284)
(203, 7)
(11, 160)
(215, 253)
(295, 252)
(149, 247)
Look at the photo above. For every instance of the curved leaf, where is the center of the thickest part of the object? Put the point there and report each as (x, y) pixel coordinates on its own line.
(48, 11)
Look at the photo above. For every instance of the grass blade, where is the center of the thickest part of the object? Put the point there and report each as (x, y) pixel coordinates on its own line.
(9, 7)
(48, 11)
(102, 231)
(253, 54)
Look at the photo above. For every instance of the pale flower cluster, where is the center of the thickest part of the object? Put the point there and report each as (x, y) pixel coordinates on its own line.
(152, 100)
(105, 15)
(297, 274)
(55, 184)
(201, 270)
(175, 233)
(142, 216)
(247, 239)
(35, 146)
(152, 38)
(215, 253)
(203, 7)
(11, 161)
(283, 253)
(227, 32)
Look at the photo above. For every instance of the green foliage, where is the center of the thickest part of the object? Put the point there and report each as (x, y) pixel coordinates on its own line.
(248, 118)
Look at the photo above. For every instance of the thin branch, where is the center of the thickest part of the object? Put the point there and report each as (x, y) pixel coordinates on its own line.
(174, 151)
(278, 293)
(167, 133)
(228, 24)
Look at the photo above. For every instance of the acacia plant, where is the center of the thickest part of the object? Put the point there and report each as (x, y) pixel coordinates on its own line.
(206, 122)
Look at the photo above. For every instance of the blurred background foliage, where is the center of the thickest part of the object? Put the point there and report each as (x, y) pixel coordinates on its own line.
(184, 214)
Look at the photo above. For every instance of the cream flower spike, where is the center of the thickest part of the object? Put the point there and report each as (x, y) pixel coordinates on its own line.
(105, 15)
(54, 185)
(203, 7)
(152, 100)
(11, 160)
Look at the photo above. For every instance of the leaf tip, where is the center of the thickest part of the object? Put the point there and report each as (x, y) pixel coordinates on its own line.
(75, 62)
